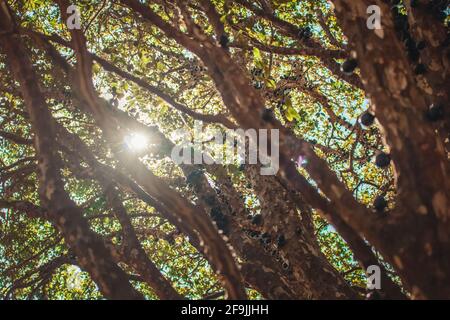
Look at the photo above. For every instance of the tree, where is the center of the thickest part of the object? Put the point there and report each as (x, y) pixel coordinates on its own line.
(94, 204)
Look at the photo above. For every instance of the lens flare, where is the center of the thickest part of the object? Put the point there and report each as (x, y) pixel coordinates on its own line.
(136, 142)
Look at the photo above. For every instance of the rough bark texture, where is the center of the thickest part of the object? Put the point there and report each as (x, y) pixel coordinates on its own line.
(417, 232)
(291, 222)
(88, 246)
(278, 250)
(399, 106)
(135, 255)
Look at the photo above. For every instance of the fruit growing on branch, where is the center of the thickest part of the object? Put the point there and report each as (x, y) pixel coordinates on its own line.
(435, 112)
(367, 119)
(78, 202)
(349, 66)
(380, 203)
(382, 160)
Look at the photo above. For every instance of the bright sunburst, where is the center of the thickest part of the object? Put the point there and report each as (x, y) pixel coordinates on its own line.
(136, 141)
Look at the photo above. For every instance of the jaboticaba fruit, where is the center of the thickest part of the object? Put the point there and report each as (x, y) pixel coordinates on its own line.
(257, 220)
(223, 225)
(367, 119)
(380, 203)
(382, 160)
(194, 177)
(305, 33)
(281, 241)
(216, 214)
(435, 112)
(267, 115)
(223, 41)
(413, 54)
(420, 69)
(349, 66)
(265, 238)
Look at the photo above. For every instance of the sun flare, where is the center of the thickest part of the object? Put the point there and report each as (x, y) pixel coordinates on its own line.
(136, 141)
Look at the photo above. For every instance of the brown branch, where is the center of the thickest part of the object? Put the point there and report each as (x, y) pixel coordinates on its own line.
(215, 247)
(247, 106)
(93, 255)
(30, 209)
(108, 66)
(133, 252)
(15, 138)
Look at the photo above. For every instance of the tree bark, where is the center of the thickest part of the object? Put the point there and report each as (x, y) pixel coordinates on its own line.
(88, 246)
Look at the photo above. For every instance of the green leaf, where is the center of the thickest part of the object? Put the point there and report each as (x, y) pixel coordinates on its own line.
(271, 84)
(257, 58)
(290, 112)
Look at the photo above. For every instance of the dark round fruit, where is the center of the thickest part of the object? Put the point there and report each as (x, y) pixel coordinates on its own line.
(349, 66)
(380, 203)
(266, 238)
(267, 115)
(382, 160)
(435, 112)
(194, 177)
(223, 41)
(281, 241)
(217, 214)
(420, 69)
(306, 33)
(257, 220)
(367, 119)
